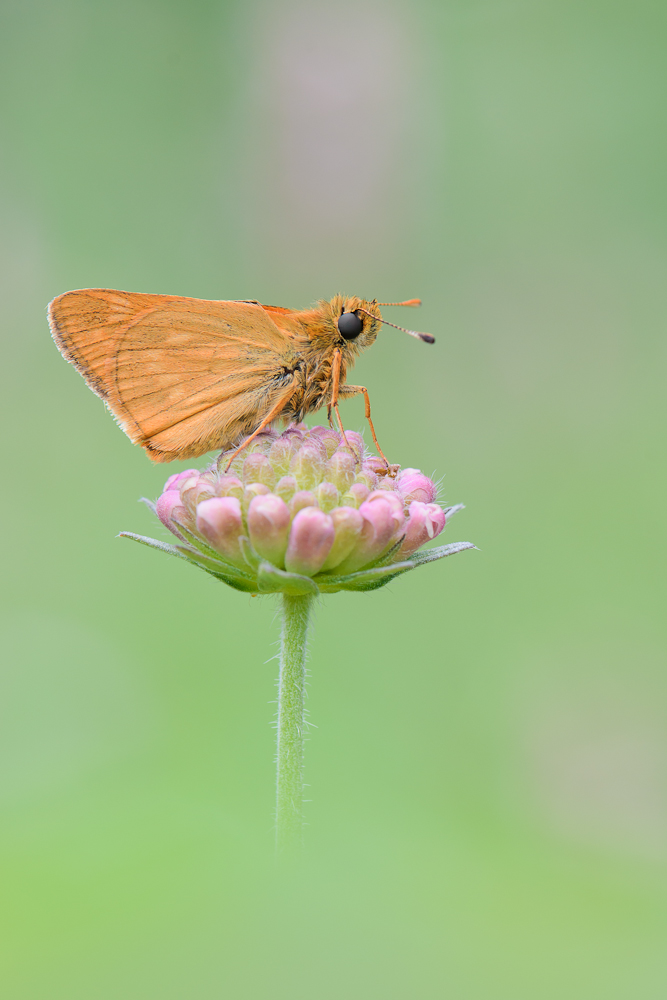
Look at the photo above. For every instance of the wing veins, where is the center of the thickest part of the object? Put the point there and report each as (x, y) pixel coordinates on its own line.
(189, 416)
(184, 399)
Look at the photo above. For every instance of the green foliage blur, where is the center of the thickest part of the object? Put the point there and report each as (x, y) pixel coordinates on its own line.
(488, 774)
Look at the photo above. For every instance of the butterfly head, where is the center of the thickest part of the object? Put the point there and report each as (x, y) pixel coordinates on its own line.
(357, 321)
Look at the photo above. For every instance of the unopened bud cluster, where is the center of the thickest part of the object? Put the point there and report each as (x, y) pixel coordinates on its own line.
(305, 511)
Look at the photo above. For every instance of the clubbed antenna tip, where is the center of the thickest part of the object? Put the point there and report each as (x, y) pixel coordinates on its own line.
(426, 337)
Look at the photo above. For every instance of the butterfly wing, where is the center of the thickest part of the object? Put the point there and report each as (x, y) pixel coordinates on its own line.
(182, 376)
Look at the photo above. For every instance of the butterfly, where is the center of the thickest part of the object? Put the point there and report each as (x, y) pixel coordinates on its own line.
(185, 376)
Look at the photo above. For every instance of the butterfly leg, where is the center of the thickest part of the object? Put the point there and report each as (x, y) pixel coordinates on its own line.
(354, 390)
(336, 391)
(268, 419)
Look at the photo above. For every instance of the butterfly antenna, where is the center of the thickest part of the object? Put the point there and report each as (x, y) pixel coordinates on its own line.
(408, 302)
(426, 337)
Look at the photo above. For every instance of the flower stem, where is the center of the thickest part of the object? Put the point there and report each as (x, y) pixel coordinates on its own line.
(291, 692)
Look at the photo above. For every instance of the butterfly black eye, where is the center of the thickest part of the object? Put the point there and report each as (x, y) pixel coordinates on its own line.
(349, 326)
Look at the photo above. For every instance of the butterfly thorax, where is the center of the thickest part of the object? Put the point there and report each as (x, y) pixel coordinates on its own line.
(314, 341)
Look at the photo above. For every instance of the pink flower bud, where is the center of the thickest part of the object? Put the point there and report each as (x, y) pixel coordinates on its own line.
(340, 470)
(174, 482)
(307, 465)
(188, 484)
(357, 493)
(327, 497)
(223, 466)
(204, 490)
(263, 442)
(381, 520)
(395, 503)
(318, 443)
(356, 443)
(170, 506)
(347, 523)
(286, 488)
(294, 434)
(219, 521)
(327, 437)
(268, 527)
(367, 477)
(310, 541)
(251, 491)
(414, 485)
(426, 521)
(258, 469)
(281, 455)
(230, 486)
(189, 489)
(304, 498)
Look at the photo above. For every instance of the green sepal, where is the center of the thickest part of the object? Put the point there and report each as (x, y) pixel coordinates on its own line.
(213, 565)
(378, 576)
(382, 560)
(272, 580)
(216, 569)
(150, 504)
(365, 579)
(210, 552)
(249, 553)
(153, 543)
(385, 559)
(430, 555)
(237, 582)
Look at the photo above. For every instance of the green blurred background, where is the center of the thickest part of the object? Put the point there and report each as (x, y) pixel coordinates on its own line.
(489, 772)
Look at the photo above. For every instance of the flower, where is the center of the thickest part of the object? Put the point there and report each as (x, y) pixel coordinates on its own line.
(303, 512)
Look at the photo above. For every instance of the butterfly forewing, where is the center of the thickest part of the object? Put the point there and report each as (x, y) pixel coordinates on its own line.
(181, 375)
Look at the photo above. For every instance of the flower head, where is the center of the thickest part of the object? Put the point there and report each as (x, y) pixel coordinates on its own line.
(305, 511)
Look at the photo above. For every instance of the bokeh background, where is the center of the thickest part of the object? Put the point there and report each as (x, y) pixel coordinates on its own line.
(489, 769)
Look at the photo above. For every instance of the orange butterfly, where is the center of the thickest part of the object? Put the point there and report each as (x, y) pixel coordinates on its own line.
(186, 376)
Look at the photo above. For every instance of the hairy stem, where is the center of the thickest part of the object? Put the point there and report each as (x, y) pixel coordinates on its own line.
(291, 692)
